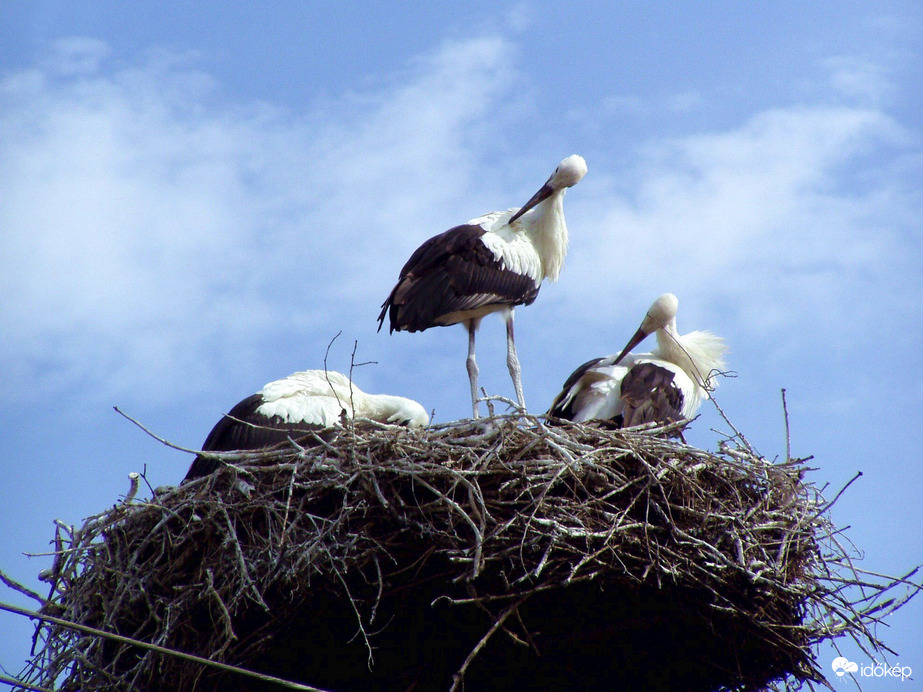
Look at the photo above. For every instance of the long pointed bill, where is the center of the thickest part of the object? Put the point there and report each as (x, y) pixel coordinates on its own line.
(544, 193)
(639, 336)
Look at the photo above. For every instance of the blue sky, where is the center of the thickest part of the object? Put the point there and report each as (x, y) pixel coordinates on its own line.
(194, 200)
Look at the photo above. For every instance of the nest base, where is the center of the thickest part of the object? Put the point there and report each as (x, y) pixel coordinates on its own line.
(584, 637)
(501, 554)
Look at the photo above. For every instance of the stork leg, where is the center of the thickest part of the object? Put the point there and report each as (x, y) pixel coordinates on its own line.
(512, 361)
(472, 365)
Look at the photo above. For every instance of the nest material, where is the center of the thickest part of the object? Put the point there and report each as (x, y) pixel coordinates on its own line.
(499, 554)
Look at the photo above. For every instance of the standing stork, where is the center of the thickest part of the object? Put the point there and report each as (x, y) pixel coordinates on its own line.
(298, 405)
(668, 384)
(490, 264)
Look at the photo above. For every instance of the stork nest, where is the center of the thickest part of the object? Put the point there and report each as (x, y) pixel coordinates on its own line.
(501, 554)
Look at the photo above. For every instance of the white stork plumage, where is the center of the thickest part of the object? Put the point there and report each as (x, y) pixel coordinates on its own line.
(668, 384)
(491, 264)
(298, 405)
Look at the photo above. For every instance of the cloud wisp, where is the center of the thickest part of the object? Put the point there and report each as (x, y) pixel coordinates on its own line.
(777, 211)
(153, 229)
(149, 225)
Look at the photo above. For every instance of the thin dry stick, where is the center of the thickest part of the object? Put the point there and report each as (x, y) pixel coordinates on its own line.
(327, 375)
(16, 586)
(23, 685)
(158, 649)
(154, 435)
(459, 676)
(549, 507)
(788, 431)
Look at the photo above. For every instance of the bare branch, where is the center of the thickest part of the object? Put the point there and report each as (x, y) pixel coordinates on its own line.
(387, 525)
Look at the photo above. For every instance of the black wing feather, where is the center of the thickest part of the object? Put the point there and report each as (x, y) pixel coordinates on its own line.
(450, 272)
(242, 428)
(650, 396)
(558, 410)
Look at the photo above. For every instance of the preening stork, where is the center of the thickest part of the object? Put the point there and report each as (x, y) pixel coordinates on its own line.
(296, 406)
(490, 264)
(668, 384)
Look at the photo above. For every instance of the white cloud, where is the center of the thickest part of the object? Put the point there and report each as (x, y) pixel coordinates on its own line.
(773, 217)
(149, 227)
(153, 230)
(859, 79)
(77, 55)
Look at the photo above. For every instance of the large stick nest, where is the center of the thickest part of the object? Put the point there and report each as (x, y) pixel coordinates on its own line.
(503, 554)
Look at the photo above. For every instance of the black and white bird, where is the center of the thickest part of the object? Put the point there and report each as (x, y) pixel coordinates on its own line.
(490, 264)
(296, 406)
(668, 384)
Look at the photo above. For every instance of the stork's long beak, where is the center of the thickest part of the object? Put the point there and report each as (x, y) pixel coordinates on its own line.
(639, 336)
(544, 193)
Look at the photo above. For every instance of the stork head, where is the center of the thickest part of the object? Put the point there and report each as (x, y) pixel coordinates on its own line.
(408, 412)
(661, 313)
(568, 173)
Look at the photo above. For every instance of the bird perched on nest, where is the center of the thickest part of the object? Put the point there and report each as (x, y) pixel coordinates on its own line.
(668, 384)
(298, 405)
(490, 264)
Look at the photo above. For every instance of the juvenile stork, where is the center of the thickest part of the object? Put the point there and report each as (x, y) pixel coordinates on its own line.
(490, 264)
(296, 406)
(668, 384)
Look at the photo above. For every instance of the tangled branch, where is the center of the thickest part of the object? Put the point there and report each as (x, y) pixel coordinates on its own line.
(505, 544)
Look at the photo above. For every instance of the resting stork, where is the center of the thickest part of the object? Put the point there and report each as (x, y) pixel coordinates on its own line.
(668, 384)
(296, 406)
(490, 264)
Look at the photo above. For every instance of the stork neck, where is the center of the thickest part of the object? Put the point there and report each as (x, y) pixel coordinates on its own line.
(688, 353)
(670, 348)
(379, 406)
(548, 233)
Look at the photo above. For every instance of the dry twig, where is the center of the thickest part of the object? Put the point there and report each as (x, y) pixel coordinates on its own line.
(603, 544)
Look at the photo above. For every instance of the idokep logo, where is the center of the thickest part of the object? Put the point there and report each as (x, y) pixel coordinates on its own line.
(841, 666)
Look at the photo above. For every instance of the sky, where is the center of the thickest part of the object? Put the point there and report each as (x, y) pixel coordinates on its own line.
(196, 199)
